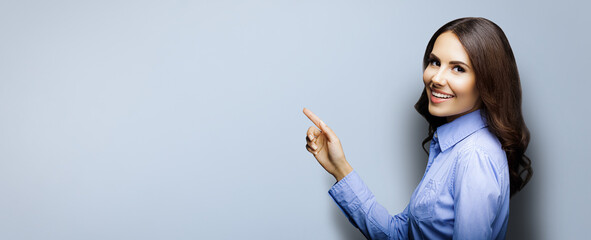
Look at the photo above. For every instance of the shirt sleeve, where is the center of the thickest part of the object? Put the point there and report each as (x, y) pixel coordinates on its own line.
(477, 195)
(359, 205)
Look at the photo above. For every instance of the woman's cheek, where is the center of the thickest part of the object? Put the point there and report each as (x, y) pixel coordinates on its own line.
(427, 75)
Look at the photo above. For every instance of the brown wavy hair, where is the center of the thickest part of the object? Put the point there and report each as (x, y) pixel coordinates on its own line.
(497, 81)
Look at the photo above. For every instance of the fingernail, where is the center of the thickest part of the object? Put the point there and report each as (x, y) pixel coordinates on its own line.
(314, 147)
(311, 137)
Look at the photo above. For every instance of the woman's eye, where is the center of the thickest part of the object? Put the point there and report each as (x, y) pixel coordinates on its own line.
(459, 69)
(434, 62)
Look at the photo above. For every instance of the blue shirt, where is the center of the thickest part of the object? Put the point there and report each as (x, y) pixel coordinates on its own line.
(464, 192)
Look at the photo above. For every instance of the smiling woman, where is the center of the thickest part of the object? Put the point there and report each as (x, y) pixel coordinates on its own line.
(449, 79)
(472, 102)
(497, 84)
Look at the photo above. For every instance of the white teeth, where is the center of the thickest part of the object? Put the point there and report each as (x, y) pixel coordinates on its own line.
(439, 95)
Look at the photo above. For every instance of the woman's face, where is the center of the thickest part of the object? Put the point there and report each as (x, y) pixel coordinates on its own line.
(449, 79)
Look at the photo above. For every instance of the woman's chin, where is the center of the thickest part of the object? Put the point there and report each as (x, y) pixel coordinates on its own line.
(433, 111)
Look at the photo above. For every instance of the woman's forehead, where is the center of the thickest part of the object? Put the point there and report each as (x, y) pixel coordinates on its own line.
(448, 48)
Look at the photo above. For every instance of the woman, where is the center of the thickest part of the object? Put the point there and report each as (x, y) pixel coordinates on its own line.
(472, 101)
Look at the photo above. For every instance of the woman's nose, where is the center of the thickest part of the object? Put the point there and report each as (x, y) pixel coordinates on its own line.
(438, 78)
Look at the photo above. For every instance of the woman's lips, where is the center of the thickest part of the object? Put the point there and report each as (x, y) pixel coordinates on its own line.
(438, 100)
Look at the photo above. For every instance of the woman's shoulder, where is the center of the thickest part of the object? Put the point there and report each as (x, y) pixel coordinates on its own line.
(481, 153)
(484, 144)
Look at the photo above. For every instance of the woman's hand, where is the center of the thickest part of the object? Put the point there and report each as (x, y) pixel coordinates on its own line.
(326, 148)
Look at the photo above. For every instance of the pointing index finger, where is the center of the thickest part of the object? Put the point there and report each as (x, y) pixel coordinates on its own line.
(315, 119)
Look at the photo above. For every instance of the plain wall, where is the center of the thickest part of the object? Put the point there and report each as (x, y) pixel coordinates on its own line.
(183, 119)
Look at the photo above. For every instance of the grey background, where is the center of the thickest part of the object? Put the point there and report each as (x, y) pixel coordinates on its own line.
(183, 119)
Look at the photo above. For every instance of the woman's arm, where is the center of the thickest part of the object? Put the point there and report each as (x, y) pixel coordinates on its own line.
(358, 203)
(477, 194)
(350, 193)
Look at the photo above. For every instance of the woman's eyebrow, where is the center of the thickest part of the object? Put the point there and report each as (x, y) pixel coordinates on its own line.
(451, 62)
(459, 62)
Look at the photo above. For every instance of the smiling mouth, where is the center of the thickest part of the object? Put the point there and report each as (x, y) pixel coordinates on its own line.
(439, 95)
(437, 98)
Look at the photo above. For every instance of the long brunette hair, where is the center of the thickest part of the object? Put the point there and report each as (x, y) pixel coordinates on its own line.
(497, 81)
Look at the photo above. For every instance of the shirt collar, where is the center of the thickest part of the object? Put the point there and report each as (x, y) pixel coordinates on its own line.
(452, 132)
